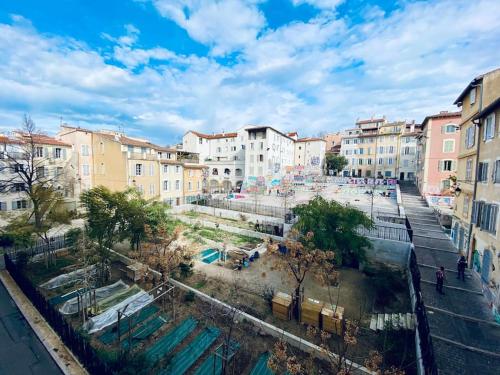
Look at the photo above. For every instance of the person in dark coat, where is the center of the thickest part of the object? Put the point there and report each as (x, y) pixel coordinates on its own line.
(461, 264)
(440, 276)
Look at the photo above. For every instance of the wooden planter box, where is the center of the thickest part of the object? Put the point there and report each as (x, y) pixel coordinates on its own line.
(310, 312)
(333, 319)
(282, 306)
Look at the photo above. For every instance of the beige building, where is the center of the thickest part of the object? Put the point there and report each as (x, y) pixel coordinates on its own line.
(485, 240)
(480, 93)
(310, 154)
(110, 162)
(333, 140)
(195, 181)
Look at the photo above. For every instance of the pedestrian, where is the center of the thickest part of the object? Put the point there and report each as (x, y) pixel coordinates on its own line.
(440, 276)
(461, 264)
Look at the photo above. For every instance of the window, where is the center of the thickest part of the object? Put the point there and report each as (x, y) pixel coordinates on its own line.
(138, 169)
(391, 149)
(233, 148)
(143, 150)
(387, 174)
(380, 161)
(406, 163)
(465, 209)
(369, 161)
(165, 184)
(219, 150)
(361, 151)
(448, 145)
(484, 215)
(389, 161)
(470, 134)
(251, 146)
(381, 150)
(85, 150)
(165, 168)
(449, 128)
(85, 169)
(445, 184)
(18, 186)
(151, 169)
(261, 157)
(39, 152)
(468, 170)
(482, 172)
(360, 161)
(215, 172)
(261, 145)
(57, 153)
(200, 141)
(19, 205)
(198, 185)
(190, 173)
(177, 184)
(189, 186)
(151, 189)
(472, 96)
(227, 171)
(238, 172)
(489, 127)
(446, 165)
(177, 169)
(496, 175)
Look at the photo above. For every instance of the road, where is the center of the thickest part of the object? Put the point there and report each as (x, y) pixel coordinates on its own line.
(21, 352)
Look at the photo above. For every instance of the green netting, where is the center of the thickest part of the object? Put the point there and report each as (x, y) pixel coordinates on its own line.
(213, 364)
(184, 359)
(115, 299)
(167, 343)
(65, 297)
(142, 333)
(261, 366)
(111, 335)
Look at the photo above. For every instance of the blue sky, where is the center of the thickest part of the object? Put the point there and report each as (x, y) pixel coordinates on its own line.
(157, 68)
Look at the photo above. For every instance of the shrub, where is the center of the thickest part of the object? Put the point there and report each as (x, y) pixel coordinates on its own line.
(22, 259)
(189, 297)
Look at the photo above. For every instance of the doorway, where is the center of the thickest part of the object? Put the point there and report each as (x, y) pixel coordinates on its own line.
(402, 176)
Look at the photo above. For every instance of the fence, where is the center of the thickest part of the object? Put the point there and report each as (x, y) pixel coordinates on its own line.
(423, 335)
(251, 208)
(40, 246)
(71, 337)
(386, 232)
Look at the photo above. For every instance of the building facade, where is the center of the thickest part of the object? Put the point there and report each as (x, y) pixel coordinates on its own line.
(437, 152)
(309, 155)
(195, 181)
(48, 159)
(332, 140)
(481, 92)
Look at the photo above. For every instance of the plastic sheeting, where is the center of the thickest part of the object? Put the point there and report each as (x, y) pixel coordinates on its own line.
(69, 278)
(130, 305)
(71, 306)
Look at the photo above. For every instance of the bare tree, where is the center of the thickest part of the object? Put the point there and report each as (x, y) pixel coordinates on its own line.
(25, 170)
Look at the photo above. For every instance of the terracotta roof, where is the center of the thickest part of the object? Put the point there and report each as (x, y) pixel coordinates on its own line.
(76, 128)
(166, 149)
(39, 139)
(194, 166)
(292, 134)
(443, 114)
(310, 139)
(214, 136)
(130, 141)
(168, 161)
(360, 122)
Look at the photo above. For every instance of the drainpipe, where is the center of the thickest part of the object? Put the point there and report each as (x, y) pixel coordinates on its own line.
(477, 123)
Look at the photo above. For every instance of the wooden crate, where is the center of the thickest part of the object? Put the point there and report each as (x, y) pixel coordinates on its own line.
(332, 318)
(282, 306)
(310, 311)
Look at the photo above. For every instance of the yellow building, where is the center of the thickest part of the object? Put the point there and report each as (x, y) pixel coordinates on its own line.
(481, 92)
(194, 181)
(485, 239)
(110, 163)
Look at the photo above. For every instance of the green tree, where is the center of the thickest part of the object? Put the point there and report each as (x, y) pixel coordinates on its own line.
(334, 227)
(335, 162)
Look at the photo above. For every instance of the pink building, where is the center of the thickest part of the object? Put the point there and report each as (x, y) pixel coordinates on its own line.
(437, 152)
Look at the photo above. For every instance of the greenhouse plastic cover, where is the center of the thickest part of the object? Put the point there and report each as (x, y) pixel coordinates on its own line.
(110, 316)
(71, 306)
(68, 278)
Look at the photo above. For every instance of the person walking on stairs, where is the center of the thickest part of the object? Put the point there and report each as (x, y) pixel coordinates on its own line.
(461, 264)
(440, 276)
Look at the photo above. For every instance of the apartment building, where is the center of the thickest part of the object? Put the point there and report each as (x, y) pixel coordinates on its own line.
(171, 180)
(377, 148)
(269, 153)
(479, 94)
(223, 154)
(333, 141)
(52, 165)
(437, 152)
(485, 239)
(195, 181)
(310, 155)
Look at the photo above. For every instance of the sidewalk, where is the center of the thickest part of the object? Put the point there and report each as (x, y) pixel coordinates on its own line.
(55, 347)
(465, 337)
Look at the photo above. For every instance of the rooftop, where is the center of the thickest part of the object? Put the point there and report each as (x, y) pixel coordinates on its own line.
(214, 136)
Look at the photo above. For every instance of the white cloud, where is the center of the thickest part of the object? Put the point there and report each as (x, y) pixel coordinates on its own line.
(321, 4)
(311, 76)
(225, 25)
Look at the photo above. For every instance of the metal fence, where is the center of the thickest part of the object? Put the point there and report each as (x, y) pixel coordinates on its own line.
(74, 340)
(248, 207)
(386, 232)
(40, 246)
(424, 334)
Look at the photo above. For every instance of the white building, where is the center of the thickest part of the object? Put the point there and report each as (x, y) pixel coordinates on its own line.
(407, 160)
(223, 153)
(268, 155)
(171, 181)
(51, 165)
(310, 155)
